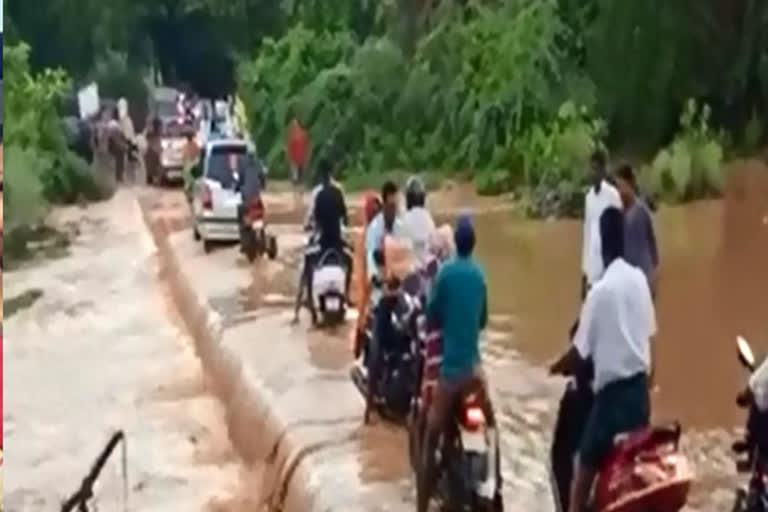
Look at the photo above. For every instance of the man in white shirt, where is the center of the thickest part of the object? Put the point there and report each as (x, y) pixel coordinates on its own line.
(614, 332)
(417, 220)
(601, 195)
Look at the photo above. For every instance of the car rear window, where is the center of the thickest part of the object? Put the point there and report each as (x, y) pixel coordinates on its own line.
(220, 167)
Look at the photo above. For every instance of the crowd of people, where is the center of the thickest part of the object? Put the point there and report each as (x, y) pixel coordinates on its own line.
(611, 349)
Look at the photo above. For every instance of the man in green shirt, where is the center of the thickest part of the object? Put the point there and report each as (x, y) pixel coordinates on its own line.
(458, 305)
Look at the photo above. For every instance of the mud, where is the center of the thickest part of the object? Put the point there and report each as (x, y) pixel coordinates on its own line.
(96, 352)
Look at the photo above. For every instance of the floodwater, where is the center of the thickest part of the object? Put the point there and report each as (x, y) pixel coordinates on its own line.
(99, 351)
(713, 287)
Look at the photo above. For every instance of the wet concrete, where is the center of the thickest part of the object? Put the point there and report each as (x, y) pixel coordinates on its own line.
(533, 274)
(98, 351)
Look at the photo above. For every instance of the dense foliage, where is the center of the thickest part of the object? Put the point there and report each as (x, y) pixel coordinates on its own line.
(513, 93)
(39, 167)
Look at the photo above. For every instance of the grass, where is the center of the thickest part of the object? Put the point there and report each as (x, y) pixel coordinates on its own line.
(20, 302)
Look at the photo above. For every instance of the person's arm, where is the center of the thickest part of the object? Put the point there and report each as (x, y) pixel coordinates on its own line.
(652, 244)
(484, 312)
(372, 236)
(434, 302)
(343, 207)
(582, 343)
(585, 246)
(652, 327)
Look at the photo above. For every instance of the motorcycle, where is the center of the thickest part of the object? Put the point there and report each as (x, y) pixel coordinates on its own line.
(329, 277)
(645, 472)
(394, 362)
(255, 240)
(468, 455)
(754, 497)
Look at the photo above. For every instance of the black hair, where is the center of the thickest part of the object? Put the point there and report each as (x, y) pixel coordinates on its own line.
(389, 189)
(626, 173)
(325, 169)
(598, 157)
(414, 200)
(612, 234)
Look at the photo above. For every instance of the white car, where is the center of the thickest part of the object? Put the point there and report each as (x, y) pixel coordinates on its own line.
(215, 195)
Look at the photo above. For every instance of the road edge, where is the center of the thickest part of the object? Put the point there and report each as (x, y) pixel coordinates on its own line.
(285, 480)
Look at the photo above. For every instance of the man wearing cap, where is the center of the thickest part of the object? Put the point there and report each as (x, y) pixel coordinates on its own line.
(458, 305)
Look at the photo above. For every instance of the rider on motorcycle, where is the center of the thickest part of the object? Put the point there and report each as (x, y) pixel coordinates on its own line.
(386, 223)
(328, 215)
(417, 219)
(458, 304)
(614, 332)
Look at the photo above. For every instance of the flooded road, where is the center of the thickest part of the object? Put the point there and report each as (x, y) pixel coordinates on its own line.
(99, 351)
(713, 287)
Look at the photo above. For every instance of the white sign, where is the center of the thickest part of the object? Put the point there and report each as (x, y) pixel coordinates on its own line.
(88, 101)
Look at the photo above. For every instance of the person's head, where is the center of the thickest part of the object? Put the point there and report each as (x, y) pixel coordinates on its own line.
(626, 183)
(325, 169)
(464, 236)
(597, 163)
(389, 199)
(415, 193)
(612, 234)
(371, 206)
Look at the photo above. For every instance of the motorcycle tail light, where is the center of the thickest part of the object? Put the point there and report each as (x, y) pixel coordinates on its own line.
(256, 209)
(473, 417)
(207, 198)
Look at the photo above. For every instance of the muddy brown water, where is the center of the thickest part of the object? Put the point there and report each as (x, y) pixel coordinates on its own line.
(713, 287)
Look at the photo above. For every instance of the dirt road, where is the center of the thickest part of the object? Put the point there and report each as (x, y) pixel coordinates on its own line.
(99, 351)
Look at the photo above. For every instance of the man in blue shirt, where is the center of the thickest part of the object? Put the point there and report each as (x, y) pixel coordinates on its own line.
(458, 305)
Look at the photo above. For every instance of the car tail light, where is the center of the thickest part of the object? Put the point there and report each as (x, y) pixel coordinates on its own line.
(207, 198)
(474, 417)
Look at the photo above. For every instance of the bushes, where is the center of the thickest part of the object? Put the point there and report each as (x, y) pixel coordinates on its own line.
(40, 168)
(692, 165)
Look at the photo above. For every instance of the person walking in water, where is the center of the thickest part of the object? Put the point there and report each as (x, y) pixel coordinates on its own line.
(297, 149)
(601, 195)
(640, 247)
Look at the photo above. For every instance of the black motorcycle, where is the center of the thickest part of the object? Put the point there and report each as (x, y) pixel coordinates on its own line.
(393, 364)
(753, 498)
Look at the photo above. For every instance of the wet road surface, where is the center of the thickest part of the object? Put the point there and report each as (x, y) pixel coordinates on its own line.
(100, 351)
(711, 254)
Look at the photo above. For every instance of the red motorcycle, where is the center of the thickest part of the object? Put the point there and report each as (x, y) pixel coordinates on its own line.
(255, 240)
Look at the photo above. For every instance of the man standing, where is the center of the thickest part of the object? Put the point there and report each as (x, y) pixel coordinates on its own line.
(601, 195)
(297, 149)
(639, 235)
(458, 304)
(615, 329)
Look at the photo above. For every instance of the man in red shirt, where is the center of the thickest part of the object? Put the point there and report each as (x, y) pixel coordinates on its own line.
(297, 149)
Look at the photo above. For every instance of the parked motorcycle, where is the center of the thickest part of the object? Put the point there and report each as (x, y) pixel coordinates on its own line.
(255, 240)
(754, 497)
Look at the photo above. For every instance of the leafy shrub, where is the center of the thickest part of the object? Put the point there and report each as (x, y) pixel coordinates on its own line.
(692, 165)
(23, 197)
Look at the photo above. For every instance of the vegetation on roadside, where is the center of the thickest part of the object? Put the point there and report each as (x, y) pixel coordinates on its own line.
(39, 169)
(512, 94)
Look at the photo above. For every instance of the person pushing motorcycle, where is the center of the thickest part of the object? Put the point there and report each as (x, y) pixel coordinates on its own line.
(615, 328)
(458, 304)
